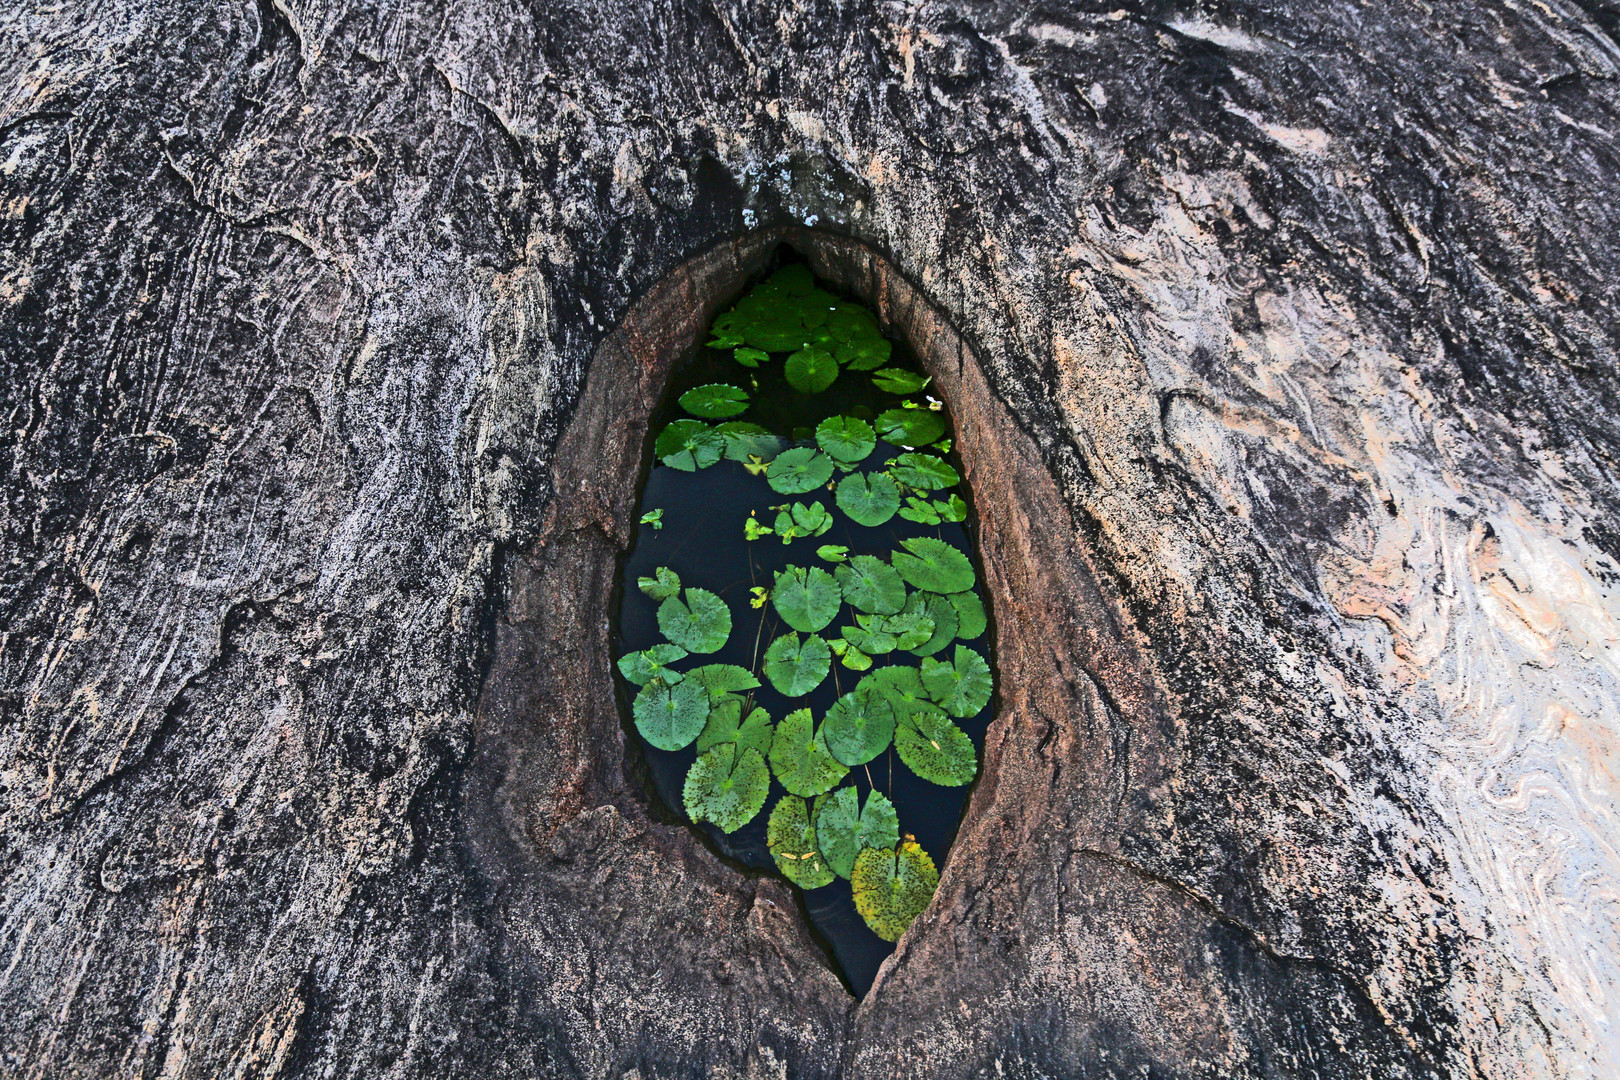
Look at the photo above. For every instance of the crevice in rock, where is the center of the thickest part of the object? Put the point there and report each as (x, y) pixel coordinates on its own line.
(552, 741)
(578, 856)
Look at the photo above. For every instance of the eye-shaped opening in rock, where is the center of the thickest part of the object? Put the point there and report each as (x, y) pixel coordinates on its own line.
(802, 635)
(563, 821)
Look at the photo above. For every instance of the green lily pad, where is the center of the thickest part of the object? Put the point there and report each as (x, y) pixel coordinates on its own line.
(799, 756)
(799, 470)
(925, 472)
(749, 357)
(901, 685)
(970, 617)
(722, 679)
(821, 338)
(869, 499)
(910, 629)
(773, 319)
(846, 438)
(810, 370)
(689, 445)
(869, 640)
(652, 664)
(791, 835)
(670, 717)
(871, 585)
(933, 565)
(921, 511)
(941, 614)
(853, 658)
(813, 518)
(782, 333)
(865, 352)
(962, 687)
(802, 520)
(858, 727)
(807, 599)
(850, 322)
(816, 306)
(934, 748)
(727, 785)
(899, 380)
(715, 401)
(665, 584)
(744, 440)
(833, 553)
(909, 427)
(844, 827)
(893, 886)
(699, 625)
(727, 331)
(725, 724)
(797, 667)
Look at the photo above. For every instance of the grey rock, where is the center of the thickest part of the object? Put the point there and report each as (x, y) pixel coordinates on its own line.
(1281, 341)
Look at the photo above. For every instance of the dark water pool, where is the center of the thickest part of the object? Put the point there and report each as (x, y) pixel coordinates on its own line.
(702, 540)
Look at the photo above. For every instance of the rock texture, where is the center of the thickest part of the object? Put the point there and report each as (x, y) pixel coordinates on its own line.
(1283, 343)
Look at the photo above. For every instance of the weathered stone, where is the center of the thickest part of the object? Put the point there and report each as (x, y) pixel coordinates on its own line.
(1281, 345)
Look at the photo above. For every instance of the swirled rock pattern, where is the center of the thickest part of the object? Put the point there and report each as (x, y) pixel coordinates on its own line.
(1283, 344)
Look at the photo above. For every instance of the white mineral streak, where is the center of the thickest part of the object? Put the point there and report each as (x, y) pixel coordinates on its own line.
(1498, 618)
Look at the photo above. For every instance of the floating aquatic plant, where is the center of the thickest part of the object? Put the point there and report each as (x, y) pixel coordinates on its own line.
(934, 748)
(868, 498)
(899, 380)
(791, 835)
(846, 438)
(889, 604)
(871, 585)
(893, 886)
(800, 758)
(909, 427)
(970, 617)
(794, 472)
(745, 441)
(844, 827)
(699, 624)
(715, 401)
(689, 445)
(925, 472)
(726, 724)
(671, 716)
(858, 727)
(796, 666)
(662, 585)
(723, 679)
(933, 565)
(801, 519)
(806, 598)
(810, 370)
(643, 667)
(727, 785)
(961, 687)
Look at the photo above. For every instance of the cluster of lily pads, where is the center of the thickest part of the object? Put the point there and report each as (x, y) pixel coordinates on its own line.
(919, 601)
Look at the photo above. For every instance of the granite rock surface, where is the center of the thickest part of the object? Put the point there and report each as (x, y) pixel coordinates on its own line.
(1282, 342)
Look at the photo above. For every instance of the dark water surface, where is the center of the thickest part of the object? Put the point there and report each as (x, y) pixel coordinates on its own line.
(702, 541)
